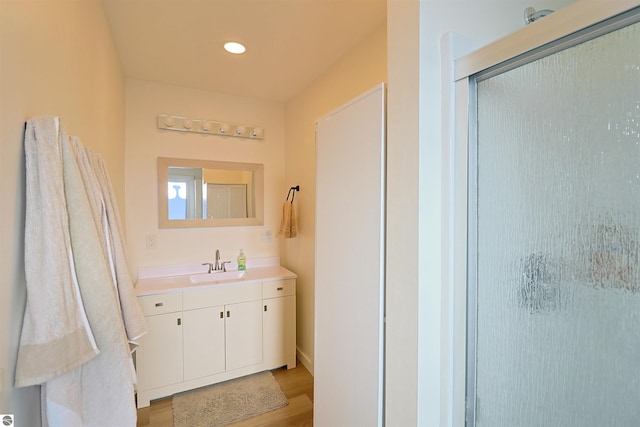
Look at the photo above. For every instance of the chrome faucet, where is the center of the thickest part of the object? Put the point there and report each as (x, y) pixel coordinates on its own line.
(210, 265)
(217, 266)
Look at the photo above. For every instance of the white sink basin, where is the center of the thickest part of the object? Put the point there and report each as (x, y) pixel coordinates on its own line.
(216, 276)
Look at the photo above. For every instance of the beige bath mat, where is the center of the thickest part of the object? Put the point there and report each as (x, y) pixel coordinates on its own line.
(228, 402)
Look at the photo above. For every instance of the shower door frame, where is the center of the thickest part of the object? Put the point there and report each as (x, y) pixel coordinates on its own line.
(581, 21)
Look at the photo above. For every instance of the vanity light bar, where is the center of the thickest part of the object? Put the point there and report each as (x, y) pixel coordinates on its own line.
(211, 127)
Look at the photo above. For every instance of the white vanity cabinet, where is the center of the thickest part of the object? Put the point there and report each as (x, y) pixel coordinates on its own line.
(203, 341)
(243, 329)
(279, 323)
(208, 334)
(159, 358)
(222, 329)
(222, 338)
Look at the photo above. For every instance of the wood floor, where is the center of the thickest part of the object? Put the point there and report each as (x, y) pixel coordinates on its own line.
(296, 383)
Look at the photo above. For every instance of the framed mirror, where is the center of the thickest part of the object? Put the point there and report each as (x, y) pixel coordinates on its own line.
(207, 193)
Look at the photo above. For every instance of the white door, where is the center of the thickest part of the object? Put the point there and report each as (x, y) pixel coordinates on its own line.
(349, 282)
(227, 201)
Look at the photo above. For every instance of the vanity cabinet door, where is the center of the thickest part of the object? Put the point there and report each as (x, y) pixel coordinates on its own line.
(160, 353)
(203, 339)
(279, 332)
(243, 334)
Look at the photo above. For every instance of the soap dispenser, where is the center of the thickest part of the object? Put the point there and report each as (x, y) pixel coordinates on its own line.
(242, 261)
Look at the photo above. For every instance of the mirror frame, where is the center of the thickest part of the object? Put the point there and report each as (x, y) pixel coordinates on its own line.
(163, 196)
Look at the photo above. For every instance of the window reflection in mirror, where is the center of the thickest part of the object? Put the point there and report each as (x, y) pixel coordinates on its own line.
(186, 199)
(202, 193)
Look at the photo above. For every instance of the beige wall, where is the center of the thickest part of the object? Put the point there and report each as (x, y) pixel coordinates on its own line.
(145, 143)
(357, 71)
(57, 58)
(403, 117)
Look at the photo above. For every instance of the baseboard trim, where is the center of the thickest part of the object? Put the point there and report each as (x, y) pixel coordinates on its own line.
(305, 360)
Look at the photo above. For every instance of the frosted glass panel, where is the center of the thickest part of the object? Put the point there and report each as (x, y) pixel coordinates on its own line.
(558, 231)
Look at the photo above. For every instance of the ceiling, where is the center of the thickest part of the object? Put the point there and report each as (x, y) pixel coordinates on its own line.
(289, 42)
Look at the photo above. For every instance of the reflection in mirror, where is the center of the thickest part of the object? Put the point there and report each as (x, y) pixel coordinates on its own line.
(210, 193)
(185, 193)
(203, 193)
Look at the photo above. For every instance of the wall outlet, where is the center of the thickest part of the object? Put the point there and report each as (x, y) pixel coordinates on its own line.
(152, 241)
(267, 235)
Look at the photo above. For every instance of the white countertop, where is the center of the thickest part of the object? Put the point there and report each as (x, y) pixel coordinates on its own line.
(182, 282)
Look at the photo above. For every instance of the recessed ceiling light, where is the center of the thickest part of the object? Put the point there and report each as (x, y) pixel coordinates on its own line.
(234, 47)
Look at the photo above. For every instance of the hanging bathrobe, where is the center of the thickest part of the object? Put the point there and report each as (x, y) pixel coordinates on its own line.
(132, 315)
(100, 391)
(56, 336)
(105, 212)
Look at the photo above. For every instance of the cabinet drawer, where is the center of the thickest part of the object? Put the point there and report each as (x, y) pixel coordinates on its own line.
(278, 288)
(221, 295)
(161, 303)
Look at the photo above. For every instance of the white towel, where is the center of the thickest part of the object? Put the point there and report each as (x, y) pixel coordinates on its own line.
(105, 215)
(91, 185)
(56, 336)
(68, 256)
(100, 392)
(132, 315)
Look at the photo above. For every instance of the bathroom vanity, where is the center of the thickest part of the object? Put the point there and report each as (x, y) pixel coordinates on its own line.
(204, 328)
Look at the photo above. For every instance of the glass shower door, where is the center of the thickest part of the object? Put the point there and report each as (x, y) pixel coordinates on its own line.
(557, 223)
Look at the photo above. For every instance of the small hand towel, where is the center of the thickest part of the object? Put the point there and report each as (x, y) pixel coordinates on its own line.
(288, 227)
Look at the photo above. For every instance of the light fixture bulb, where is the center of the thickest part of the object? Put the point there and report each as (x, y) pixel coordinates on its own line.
(234, 47)
(256, 133)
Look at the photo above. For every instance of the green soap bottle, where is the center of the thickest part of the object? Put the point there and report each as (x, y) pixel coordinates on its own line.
(242, 261)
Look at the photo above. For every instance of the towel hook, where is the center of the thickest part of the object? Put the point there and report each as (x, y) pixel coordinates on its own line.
(292, 189)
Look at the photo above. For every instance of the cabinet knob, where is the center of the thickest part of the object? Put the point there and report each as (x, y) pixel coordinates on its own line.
(222, 315)
(159, 304)
(228, 313)
(179, 321)
(265, 308)
(279, 289)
